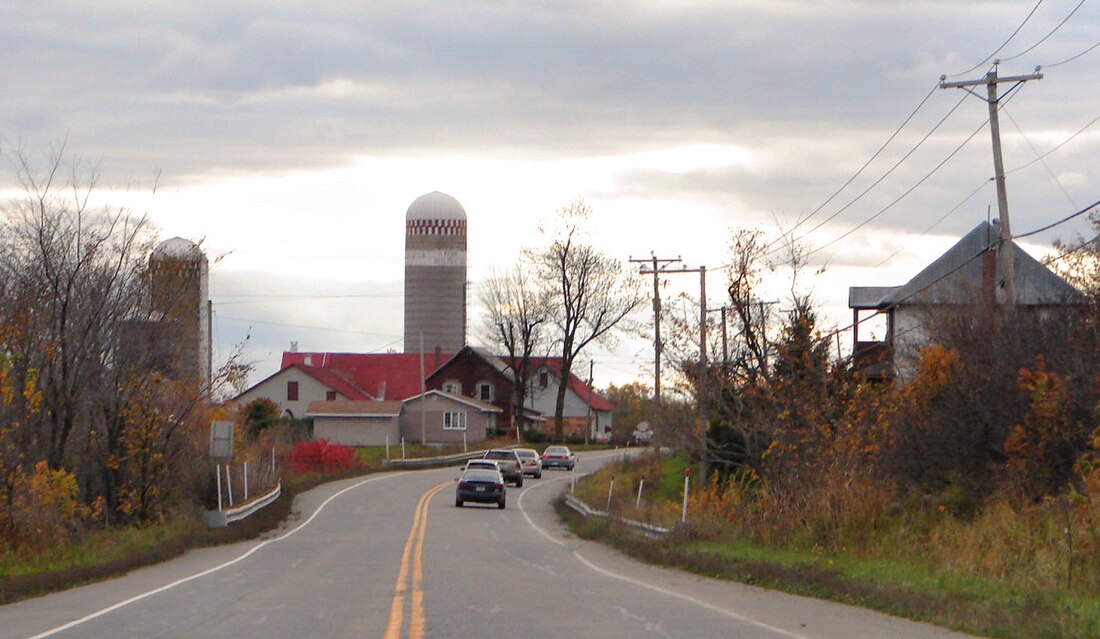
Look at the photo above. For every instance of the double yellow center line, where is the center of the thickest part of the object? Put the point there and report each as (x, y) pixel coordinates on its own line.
(412, 559)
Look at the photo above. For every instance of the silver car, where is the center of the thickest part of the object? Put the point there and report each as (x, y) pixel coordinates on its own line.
(530, 461)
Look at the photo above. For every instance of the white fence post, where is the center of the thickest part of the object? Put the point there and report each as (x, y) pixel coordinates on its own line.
(229, 485)
(246, 481)
(464, 449)
(402, 448)
(387, 446)
(218, 475)
(273, 475)
(687, 478)
(610, 488)
(638, 501)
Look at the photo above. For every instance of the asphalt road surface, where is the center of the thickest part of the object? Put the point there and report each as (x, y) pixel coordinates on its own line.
(389, 555)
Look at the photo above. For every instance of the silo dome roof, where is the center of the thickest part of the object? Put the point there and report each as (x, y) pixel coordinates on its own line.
(435, 206)
(177, 248)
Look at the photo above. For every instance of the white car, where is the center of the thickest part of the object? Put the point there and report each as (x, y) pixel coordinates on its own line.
(481, 463)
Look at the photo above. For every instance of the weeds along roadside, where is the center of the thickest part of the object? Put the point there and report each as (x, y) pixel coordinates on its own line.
(997, 570)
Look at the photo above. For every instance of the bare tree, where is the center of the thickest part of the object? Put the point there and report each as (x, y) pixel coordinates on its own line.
(516, 314)
(592, 294)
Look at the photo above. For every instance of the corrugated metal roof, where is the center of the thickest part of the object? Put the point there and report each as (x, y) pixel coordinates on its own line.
(956, 278)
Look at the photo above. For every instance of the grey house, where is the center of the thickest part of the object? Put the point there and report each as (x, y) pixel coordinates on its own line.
(445, 418)
(966, 277)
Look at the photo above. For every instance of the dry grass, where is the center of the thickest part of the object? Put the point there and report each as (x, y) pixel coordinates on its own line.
(1002, 569)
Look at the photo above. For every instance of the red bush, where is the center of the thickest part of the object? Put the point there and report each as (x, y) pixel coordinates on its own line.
(322, 457)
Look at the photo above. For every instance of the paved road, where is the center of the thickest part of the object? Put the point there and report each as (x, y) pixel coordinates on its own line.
(390, 556)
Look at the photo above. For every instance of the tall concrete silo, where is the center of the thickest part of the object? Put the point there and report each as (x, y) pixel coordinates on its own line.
(179, 286)
(435, 274)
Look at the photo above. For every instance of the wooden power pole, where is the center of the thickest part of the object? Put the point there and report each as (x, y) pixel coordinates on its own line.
(659, 265)
(990, 80)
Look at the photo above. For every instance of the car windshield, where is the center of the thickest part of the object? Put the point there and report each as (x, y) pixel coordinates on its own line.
(526, 453)
(556, 450)
(500, 454)
(481, 474)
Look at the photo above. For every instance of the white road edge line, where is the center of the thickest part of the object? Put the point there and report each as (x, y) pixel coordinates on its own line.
(669, 593)
(530, 521)
(697, 602)
(168, 586)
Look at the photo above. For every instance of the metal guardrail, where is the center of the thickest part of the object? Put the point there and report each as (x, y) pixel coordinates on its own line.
(222, 518)
(640, 527)
(437, 462)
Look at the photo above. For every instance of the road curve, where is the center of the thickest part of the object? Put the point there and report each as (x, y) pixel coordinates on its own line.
(390, 556)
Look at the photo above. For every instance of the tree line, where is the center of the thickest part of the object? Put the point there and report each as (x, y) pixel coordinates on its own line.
(95, 423)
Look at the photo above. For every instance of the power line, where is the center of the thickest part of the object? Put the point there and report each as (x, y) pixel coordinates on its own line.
(890, 171)
(1071, 58)
(902, 196)
(768, 250)
(305, 326)
(861, 169)
(1060, 145)
(1003, 44)
(1059, 222)
(1039, 157)
(1044, 38)
(941, 219)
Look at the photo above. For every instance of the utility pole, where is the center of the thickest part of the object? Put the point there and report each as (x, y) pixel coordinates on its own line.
(725, 341)
(659, 265)
(1004, 250)
(588, 418)
(701, 388)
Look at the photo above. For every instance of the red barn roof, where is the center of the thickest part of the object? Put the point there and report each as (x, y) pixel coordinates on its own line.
(383, 375)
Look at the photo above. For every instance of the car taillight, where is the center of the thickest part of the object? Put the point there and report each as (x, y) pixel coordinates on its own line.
(498, 486)
(462, 485)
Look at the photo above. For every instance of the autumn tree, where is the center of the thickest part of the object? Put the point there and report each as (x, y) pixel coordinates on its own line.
(591, 294)
(633, 403)
(516, 319)
(80, 338)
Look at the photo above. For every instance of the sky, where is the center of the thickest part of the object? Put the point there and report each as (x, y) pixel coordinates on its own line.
(290, 138)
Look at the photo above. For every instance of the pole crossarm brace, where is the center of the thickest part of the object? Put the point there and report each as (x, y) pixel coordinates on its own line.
(992, 99)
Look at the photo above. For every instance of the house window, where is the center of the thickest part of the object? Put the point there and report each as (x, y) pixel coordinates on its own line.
(292, 391)
(452, 386)
(330, 396)
(454, 420)
(544, 379)
(485, 391)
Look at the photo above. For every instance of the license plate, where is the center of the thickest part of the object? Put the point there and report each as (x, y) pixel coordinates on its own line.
(480, 489)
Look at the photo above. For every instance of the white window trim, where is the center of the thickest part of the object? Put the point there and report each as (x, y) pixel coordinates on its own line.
(492, 393)
(452, 386)
(454, 420)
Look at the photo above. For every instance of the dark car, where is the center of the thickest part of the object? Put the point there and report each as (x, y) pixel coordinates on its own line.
(482, 485)
(558, 457)
(509, 463)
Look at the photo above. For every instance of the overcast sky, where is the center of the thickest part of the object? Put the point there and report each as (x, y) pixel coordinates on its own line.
(291, 137)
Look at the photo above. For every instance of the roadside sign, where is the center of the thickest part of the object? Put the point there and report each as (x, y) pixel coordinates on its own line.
(221, 439)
